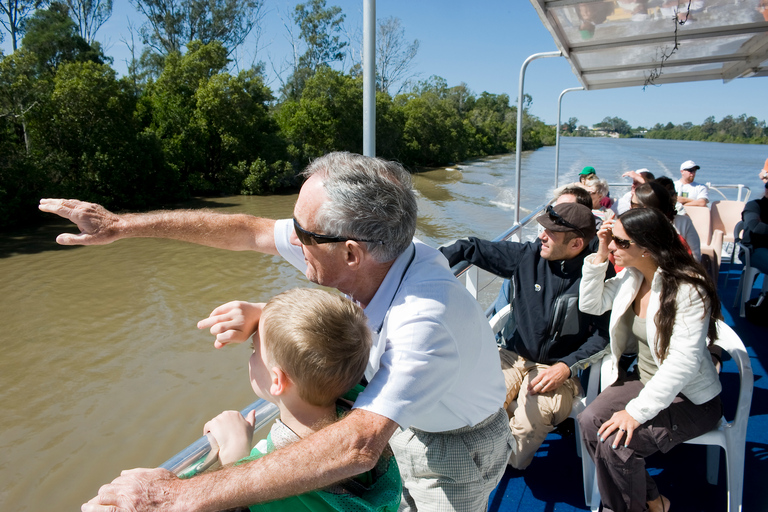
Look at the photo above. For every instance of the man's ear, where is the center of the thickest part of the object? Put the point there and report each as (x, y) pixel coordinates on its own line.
(354, 253)
(577, 244)
(280, 381)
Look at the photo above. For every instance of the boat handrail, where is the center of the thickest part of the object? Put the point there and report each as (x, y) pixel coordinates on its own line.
(200, 455)
(741, 187)
(460, 268)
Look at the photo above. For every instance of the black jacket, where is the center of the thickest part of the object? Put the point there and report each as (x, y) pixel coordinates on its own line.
(549, 326)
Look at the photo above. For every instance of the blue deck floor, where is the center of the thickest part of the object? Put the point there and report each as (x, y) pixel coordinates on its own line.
(553, 481)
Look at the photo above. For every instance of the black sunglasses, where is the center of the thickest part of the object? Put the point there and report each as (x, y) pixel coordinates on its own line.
(620, 242)
(309, 238)
(560, 221)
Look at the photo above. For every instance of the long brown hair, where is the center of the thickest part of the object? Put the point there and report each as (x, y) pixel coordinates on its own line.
(650, 229)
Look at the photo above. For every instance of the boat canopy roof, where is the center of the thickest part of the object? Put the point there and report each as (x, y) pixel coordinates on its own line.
(623, 43)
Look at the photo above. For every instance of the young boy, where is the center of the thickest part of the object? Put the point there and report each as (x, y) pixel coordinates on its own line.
(311, 347)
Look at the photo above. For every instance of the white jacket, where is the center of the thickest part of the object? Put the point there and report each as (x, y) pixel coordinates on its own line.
(688, 367)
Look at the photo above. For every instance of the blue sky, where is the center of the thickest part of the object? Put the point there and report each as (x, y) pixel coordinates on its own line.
(484, 43)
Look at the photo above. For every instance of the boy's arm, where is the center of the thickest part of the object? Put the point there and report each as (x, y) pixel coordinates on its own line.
(99, 226)
(233, 434)
(341, 450)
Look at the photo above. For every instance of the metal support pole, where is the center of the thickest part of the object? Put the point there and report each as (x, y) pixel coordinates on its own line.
(369, 77)
(519, 143)
(557, 136)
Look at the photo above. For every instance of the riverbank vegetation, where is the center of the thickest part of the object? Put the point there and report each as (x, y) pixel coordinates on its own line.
(183, 123)
(741, 129)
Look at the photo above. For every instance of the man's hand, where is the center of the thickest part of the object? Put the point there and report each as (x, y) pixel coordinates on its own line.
(136, 490)
(233, 434)
(549, 379)
(98, 226)
(233, 322)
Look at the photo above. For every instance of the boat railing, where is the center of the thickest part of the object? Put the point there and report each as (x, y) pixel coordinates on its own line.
(203, 453)
(741, 188)
(484, 285)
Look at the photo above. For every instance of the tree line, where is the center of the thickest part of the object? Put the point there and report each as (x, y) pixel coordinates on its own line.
(742, 129)
(181, 123)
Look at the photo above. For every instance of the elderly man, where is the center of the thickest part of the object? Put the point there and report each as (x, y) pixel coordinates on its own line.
(551, 339)
(434, 388)
(689, 192)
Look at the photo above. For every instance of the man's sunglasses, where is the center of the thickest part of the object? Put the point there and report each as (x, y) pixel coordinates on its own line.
(309, 238)
(620, 242)
(560, 221)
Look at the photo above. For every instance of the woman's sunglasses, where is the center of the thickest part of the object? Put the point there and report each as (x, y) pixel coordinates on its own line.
(560, 221)
(620, 242)
(309, 238)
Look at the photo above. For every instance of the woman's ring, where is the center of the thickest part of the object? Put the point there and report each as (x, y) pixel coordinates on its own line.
(622, 429)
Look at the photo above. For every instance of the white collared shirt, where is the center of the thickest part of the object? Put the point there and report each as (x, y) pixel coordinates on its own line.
(434, 363)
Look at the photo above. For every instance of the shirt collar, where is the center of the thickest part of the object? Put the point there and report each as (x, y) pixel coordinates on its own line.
(385, 295)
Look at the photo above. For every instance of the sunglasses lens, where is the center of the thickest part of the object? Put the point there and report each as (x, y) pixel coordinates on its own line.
(304, 237)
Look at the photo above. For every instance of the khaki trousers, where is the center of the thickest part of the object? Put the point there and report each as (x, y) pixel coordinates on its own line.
(532, 417)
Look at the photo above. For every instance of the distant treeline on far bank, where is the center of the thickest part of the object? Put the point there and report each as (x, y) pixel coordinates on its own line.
(741, 129)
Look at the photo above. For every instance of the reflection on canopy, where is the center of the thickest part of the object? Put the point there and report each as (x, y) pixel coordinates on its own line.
(621, 43)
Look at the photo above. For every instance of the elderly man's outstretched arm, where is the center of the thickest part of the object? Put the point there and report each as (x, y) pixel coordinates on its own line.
(346, 448)
(99, 226)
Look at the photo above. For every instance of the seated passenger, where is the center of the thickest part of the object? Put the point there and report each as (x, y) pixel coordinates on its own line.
(654, 195)
(664, 307)
(310, 348)
(639, 177)
(549, 339)
(598, 190)
(683, 223)
(587, 173)
(755, 217)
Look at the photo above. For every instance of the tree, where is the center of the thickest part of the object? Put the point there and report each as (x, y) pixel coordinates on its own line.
(394, 56)
(15, 12)
(320, 30)
(89, 15)
(53, 38)
(173, 24)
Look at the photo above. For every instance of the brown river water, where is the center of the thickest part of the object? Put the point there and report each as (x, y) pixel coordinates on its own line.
(102, 366)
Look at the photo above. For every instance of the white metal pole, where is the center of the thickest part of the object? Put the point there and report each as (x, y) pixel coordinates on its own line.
(557, 136)
(519, 143)
(369, 77)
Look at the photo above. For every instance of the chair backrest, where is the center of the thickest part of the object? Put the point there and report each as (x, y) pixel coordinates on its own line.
(725, 216)
(729, 341)
(702, 221)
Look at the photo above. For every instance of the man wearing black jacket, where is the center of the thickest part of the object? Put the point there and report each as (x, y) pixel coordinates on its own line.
(551, 339)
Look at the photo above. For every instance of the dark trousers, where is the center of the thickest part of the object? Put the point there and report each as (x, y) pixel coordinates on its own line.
(624, 483)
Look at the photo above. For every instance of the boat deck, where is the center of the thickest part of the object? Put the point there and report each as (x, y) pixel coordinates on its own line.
(553, 481)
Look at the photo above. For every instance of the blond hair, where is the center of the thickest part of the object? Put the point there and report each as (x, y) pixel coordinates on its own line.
(319, 339)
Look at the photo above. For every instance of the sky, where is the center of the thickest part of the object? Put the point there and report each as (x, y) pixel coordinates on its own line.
(483, 43)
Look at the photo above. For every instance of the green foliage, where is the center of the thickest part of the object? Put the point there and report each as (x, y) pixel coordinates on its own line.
(53, 38)
(739, 130)
(264, 179)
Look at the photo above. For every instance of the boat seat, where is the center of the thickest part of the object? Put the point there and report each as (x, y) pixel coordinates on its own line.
(731, 436)
(725, 216)
(599, 373)
(711, 239)
(748, 273)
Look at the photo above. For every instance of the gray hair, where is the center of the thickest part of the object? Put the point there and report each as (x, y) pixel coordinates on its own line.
(369, 199)
(600, 186)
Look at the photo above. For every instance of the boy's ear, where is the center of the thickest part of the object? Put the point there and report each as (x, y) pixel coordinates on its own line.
(280, 381)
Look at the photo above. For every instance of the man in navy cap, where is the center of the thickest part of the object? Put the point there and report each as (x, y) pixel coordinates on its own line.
(548, 339)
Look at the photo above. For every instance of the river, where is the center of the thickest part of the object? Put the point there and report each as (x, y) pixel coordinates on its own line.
(103, 368)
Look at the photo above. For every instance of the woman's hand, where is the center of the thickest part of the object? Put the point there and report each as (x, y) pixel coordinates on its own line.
(604, 236)
(621, 421)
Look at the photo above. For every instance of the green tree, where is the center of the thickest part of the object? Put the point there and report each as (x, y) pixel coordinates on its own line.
(320, 30)
(53, 38)
(173, 24)
(14, 13)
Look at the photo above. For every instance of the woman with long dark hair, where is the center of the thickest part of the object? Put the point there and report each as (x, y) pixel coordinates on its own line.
(664, 308)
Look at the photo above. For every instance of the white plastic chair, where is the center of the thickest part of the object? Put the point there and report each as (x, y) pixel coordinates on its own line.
(730, 436)
(748, 273)
(596, 376)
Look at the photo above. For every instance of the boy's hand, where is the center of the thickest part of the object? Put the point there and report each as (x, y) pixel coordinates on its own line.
(233, 433)
(233, 322)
